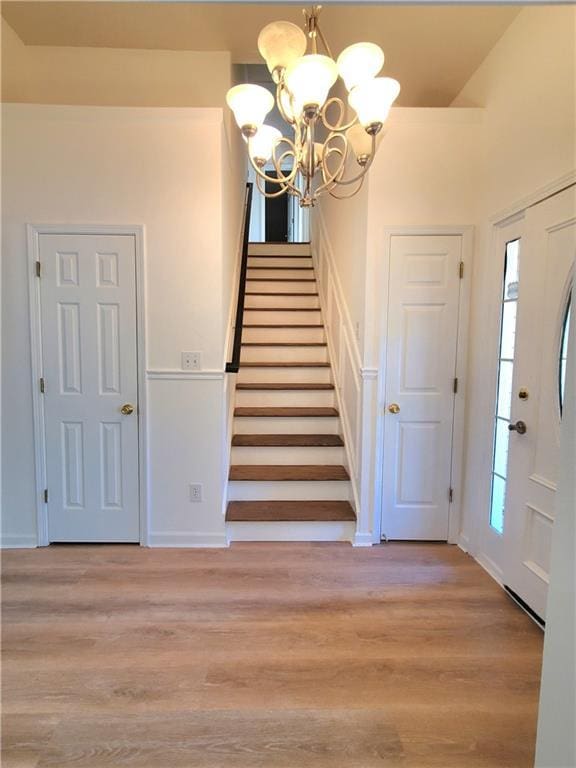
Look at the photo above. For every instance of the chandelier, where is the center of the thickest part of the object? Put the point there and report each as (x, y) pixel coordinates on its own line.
(326, 135)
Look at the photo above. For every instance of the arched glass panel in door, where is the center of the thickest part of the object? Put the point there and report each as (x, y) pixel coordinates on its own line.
(564, 351)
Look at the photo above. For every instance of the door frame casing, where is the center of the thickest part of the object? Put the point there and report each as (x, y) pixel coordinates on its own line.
(466, 232)
(33, 232)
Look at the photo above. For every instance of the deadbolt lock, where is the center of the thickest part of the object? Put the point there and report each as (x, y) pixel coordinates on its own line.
(523, 393)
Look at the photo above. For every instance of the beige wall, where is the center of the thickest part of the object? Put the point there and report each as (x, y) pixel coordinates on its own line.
(110, 165)
(527, 86)
(112, 76)
(461, 166)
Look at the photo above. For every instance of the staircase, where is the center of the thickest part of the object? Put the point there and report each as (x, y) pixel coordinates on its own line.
(288, 477)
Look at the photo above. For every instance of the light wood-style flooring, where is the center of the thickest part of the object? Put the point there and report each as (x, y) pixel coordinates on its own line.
(264, 656)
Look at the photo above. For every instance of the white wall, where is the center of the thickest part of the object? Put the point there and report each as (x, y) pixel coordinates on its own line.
(527, 86)
(157, 167)
(421, 176)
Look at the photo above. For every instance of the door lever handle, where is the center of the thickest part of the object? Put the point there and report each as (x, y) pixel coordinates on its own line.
(519, 427)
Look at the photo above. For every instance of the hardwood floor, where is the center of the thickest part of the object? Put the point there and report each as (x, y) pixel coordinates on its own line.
(264, 656)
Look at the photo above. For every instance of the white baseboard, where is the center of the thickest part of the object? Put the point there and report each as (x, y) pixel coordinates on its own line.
(464, 543)
(291, 531)
(490, 567)
(15, 541)
(187, 539)
(363, 540)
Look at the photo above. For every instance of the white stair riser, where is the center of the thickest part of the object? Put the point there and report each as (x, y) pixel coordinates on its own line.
(287, 455)
(285, 374)
(301, 302)
(277, 286)
(301, 490)
(279, 317)
(280, 274)
(286, 398)
(283, 334)
(271, 354)
(280, 261)
(280, 249)
(287, 425)
(291, 531)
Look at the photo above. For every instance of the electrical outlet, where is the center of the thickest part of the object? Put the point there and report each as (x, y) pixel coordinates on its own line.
(195, 492)
(191, 361)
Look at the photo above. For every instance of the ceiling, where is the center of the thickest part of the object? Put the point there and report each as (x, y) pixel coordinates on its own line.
(431, 49)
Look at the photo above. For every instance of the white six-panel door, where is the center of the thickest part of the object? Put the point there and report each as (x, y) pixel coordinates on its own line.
(424, 291)
(546, 275)
(89, 360)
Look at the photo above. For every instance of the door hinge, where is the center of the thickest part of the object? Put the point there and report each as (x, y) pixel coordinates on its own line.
(42, 385)
(38, 269)
(45, 495)
(455, 385)
(450, 495)
(461, 270)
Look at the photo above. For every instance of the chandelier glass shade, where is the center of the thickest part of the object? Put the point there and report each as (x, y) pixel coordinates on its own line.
(327, 133)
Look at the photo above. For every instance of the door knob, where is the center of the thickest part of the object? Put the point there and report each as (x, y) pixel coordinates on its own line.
(127, 409)
(394, 408)
(519, 427)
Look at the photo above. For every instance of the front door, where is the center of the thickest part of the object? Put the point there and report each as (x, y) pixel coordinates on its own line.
(89, 360)
(424, 291)
(545, 276)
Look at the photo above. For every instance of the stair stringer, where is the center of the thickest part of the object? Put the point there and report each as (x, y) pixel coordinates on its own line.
(349, 439)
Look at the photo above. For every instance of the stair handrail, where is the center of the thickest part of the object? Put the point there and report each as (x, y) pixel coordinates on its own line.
(234, 365)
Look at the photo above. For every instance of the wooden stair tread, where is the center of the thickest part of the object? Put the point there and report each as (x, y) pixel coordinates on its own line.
(277, 441)
(282, 309)
(284, 344)
(292, 472)
(296, 269)
(278, 256)
(284, 365)
(280, 325)
(280, 280)
(273, 411)
(281, 293)
(257, 385)
(289, 511)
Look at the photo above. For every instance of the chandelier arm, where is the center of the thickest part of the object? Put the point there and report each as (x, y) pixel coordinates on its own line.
(364, 167)
(289, 186)
(279, 89)
(282, 178)
(262, 190)
(328, 177)
(338, 127)
(350, 194)
(261, 175)
(323, 39)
